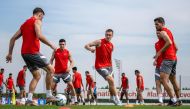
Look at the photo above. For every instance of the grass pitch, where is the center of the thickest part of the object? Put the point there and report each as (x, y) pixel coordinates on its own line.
(91, 107)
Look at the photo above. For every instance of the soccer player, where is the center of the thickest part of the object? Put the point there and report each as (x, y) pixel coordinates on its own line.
(95, 92)
(124, 87)
(140, 87)
(62, 56)
(21, 83)
(90, 87)
(168, 66)
(10, 85)
(78, 85)
(157, 63)
(103, 63)
(31, 34)
(1, 81)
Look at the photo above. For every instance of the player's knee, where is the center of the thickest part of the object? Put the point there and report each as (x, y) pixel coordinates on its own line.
(50, 69)
(37, 77)
(111, 82)
(162, 79)
(70, 85)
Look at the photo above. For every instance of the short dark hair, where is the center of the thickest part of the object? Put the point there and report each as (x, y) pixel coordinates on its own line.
(137, 71)
(37, 10)
(24, 66)
(109, 30)
(10, 74)
(74, 68)
(2, 68)
(87, 72)
(62, 40)
(160, 20)
(122, 73)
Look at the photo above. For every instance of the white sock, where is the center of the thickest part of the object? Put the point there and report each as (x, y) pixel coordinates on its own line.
(73, 99)
(112, 97)
(30, 95)
(127, 101)
(173, 100)
(83, 100)
(160, 98)
(48, 93)
(142, 102)
(137, 101)
(117, 98)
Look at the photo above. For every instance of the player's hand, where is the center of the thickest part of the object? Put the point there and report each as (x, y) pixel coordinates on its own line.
(93, 50)
(154, 63)
(9, 58)
(157, 55)
(54, 47)
(68, 70)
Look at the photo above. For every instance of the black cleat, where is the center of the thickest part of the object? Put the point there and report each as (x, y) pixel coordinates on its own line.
(171, 103)
(179, 103)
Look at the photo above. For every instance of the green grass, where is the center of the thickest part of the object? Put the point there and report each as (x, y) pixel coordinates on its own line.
(91, 107)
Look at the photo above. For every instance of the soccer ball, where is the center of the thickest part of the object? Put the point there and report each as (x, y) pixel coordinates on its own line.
(62, 100)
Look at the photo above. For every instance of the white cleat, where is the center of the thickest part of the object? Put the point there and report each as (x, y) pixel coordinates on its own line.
(119, 103)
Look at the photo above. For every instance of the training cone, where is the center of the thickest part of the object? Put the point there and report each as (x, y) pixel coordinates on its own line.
(13, 98)
(129, 105)
(64, 108)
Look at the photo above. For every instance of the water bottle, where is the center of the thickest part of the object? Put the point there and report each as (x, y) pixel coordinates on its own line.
(39, 101)
(3, 100)
(44, 101)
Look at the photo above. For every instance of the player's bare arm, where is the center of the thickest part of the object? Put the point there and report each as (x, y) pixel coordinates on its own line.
(176, 46)
(166, 38)
(41, 37)
(52, 58)
(73, 80)
(86, 85)
(71, 63)
(91, 46)
(16, 36)
(140, 82)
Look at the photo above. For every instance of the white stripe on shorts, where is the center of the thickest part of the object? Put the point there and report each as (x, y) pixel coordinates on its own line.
(157, 74)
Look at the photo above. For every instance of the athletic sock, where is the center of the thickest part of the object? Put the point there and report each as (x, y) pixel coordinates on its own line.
(112, 97)
(117, 98)
(160, 98)
(48, 93)
(137, 101)
(173, 100)
(83, 100)
(75, 98)
(127, 101)
(30, 95)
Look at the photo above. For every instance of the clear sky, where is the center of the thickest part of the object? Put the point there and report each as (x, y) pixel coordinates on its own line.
(82, 21)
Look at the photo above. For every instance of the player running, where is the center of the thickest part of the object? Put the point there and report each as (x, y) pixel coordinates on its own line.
(157, 63)
(78, 85)
(124, 87)
(168, 66)
(95, 92)
(103, 49)
(21, 83)
(32, 35)
(62, 56)
(90, 88)
(10, 86)
(140, 87)
(1, 82)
